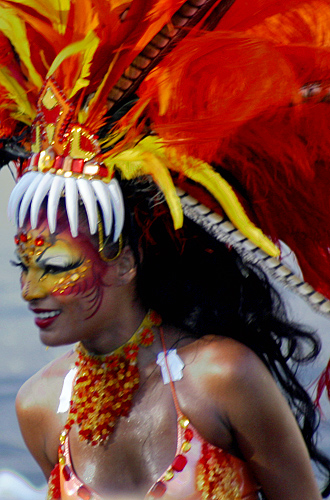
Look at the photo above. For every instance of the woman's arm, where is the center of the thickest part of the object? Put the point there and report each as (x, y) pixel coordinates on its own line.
(265, 429)
(36, 408)
(32, 421)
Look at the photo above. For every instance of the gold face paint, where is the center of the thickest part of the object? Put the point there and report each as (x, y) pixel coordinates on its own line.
(51, 264)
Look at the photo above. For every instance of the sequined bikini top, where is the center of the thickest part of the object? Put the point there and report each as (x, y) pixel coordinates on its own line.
(199, 471)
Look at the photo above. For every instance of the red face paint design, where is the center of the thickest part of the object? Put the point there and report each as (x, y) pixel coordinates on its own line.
(60, 266)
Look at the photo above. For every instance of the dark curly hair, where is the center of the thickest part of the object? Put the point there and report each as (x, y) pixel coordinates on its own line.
(201, 286)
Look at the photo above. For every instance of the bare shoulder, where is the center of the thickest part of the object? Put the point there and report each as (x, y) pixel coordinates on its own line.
(43, 388)
(36, 408)
(225, 360)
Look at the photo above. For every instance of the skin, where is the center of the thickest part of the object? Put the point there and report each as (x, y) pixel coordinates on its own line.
(226, 392)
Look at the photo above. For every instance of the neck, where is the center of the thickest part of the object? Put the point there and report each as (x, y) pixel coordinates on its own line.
(123, 326)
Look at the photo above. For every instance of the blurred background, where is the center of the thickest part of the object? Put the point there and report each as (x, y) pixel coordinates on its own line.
(22, 354)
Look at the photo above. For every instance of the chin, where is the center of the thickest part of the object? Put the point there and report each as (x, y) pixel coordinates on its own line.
(50, 339)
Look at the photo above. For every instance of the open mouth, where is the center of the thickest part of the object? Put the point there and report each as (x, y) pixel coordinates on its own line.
(44, 318)
(47, 314)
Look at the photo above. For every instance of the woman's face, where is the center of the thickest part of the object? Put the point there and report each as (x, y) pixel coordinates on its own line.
(66, 284)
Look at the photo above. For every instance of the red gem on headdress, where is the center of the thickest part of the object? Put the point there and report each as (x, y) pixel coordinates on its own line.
(58, 162)
(23, 237)
(103, 171)
(158, 490)
(77, 165)
(39, 241)
(16, 239)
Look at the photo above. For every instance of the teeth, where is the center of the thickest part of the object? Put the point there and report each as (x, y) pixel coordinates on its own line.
(49, 314)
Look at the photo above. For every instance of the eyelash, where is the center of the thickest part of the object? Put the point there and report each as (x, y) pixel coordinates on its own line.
(19, 264)
(55, 269)
(48, 269)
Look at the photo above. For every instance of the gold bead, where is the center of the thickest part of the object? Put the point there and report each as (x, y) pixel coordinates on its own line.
(186, 446)
(46, 159)
(184, 422)
(169, 475)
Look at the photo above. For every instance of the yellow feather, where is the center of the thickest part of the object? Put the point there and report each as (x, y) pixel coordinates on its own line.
(24, 111)
(204, 174)
(129, 162)
(54, 10)
(86, 65)
(83, 46)
(13, 27)
(163, 179)
(147, 158)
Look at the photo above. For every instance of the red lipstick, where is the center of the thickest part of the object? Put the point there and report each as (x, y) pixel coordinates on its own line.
(45, 317)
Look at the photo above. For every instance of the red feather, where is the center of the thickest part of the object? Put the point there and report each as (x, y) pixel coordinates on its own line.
(143, 21)
(235, 99)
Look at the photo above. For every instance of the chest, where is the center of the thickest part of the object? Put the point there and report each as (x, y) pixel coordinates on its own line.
(138, 452)
(145, 443)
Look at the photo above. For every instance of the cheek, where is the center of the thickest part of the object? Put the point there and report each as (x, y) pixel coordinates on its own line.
(86, 285)
(77, 281)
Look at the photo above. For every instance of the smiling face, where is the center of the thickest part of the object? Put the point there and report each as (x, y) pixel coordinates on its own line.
(68, 286)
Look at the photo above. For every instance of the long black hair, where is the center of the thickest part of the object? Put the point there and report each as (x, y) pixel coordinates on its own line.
(203, 287)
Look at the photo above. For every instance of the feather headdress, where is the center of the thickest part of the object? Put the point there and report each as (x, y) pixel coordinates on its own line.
(225, 99)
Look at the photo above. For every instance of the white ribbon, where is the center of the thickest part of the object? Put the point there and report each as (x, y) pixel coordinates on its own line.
(175, 366)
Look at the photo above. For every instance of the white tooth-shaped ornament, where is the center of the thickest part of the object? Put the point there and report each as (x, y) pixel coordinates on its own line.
(17, 195)
(53, 200)
(28, 197)
(39, 197)
(103, 197)
(118, 207)
(88, 197)
(71, 203)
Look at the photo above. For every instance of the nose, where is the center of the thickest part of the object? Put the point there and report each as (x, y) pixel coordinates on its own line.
(32, 287)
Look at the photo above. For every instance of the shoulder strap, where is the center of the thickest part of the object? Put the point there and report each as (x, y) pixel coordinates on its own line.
(175, 398)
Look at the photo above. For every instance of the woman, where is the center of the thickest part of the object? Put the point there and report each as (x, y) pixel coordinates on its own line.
(178, 337)
(223, 389)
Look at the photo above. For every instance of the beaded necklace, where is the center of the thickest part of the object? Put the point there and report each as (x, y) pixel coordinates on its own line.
(105, 385)
(103, 391)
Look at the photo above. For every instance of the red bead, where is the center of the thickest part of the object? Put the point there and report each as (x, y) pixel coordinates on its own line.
(158, 490)
(39, 241)
(179, 463)
(188, 434)
(58, 162)
(84, 493)
(16, 239)
(103, 171)
(67, 472)
(23, 237)
(77, 165)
